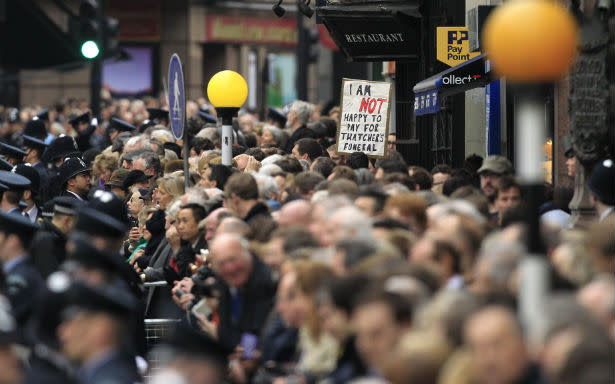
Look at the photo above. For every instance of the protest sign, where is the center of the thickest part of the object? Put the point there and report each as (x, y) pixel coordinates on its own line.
(364, 117)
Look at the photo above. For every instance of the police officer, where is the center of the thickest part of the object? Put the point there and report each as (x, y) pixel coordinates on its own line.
(48, 249)
(35, 128)
(159, 116)
(12, 154)
(15, 186)
(23, 282)
(44, 117)
(117, 126)
(93, 329)
(34, 149)
(46, 365)
(85, 130)
(74, 178)
(31, 195)
(60, 149)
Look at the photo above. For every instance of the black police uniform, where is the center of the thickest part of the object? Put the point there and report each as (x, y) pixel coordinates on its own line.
(60, 148)
(39, 166)
(71, 168)
(11, 152)
(118, 365)
(83, 137)
(11, 181)
(27, 171)
(23, 282)
(48, 249)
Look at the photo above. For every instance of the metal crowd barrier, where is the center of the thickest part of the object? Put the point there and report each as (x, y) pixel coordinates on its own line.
(155, 284)
(156, 330)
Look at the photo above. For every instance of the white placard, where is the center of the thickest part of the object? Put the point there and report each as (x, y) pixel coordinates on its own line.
(364, 117)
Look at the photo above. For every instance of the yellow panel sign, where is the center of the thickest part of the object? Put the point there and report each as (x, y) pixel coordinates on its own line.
(453, 45)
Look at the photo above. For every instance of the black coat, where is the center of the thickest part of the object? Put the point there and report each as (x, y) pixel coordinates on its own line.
(257, 300)
(23, 286)
(69, 194)
(119, 369)
(47, 366)
(300, 133)
(48, 249)
(159, 303)
(259, 210)
(349, 365)
(44, 180)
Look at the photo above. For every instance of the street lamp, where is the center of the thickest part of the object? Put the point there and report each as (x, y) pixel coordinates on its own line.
(227, 91)
(531, 43)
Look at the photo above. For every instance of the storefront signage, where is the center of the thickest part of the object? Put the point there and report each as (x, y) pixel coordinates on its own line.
(426, 103)
(364, 118)
(366, 33)
(134, 24)
(453, 45)
(237, 29)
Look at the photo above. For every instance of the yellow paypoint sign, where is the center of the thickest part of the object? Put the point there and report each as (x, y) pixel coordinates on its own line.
(453, 45)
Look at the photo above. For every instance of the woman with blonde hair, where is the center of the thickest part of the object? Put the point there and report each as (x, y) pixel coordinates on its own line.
(169, 189)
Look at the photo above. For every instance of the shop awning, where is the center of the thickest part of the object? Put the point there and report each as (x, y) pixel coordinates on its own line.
(460, 78)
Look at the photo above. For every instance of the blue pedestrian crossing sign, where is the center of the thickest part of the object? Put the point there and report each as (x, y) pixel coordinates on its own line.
(177, 101)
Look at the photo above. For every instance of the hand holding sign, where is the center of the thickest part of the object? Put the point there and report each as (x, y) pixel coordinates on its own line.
(364, 118)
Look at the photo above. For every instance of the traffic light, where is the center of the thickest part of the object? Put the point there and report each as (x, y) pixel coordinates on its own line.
(89, 28)
(311, 44)
(111, 29)
(97, 35)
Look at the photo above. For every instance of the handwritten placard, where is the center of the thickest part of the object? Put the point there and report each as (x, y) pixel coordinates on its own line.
(364, 118)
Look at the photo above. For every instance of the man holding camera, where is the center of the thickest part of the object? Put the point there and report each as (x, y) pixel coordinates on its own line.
(246, 291)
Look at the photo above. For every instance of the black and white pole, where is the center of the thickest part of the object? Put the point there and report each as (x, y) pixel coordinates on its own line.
(534, 269)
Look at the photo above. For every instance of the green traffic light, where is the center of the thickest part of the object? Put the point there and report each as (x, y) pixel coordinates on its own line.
(89, 49)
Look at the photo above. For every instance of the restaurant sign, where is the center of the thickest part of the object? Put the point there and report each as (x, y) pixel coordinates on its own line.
(260, 30)
(373, 34)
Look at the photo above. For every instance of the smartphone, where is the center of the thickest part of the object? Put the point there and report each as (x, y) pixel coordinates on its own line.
(179, 293)
(248, 343)
(201, 308)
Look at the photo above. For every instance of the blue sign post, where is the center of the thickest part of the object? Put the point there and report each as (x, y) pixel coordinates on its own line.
(177, 101)
(177, 109)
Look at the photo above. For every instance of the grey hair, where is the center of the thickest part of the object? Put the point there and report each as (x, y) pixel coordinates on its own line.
(197, 195)
(462, 208)
(330, 204)
(173, 210)
(395, 189)
(502, 259)
(266, 185)
(276, 132)
(303, 110)
(353, 222)
(138, 139)
(151, 160)
(210, 133)
(271, 160)
(269, 169)
(162, 135)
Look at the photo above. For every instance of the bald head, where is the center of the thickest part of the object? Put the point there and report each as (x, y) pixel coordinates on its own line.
(496, 342)
(233, 225)
(231, 259)
(212, 221)
(296, 212)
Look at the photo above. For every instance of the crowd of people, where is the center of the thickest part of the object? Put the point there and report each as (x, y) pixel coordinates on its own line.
(295, 264)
